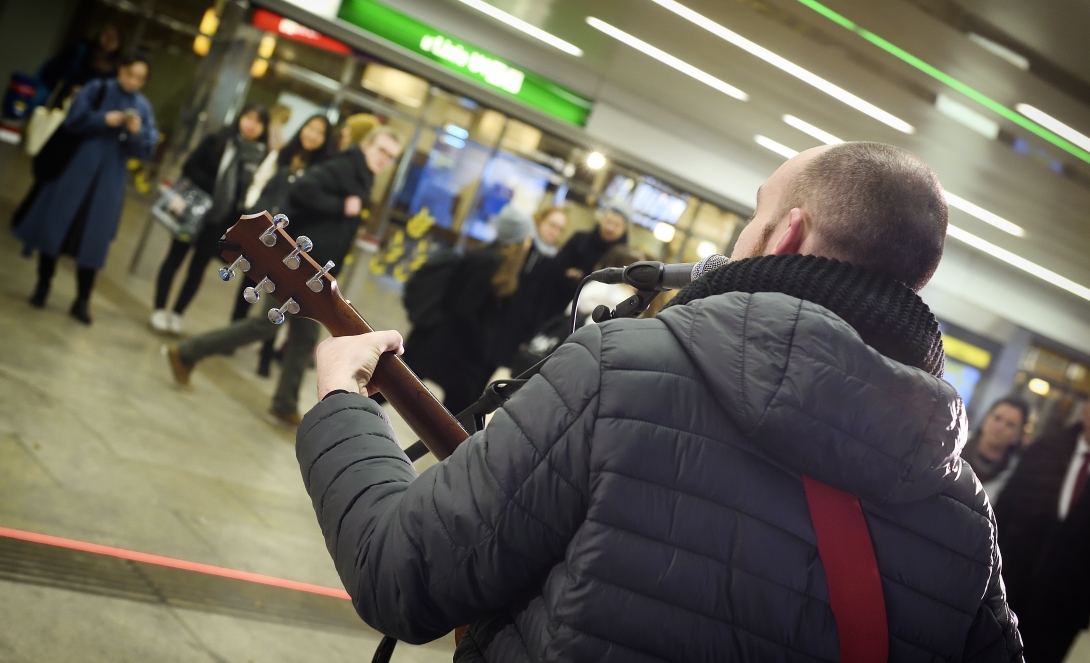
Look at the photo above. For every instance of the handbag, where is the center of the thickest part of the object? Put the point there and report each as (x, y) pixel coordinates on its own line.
(44, 122)
(61, 146)
(182, 208)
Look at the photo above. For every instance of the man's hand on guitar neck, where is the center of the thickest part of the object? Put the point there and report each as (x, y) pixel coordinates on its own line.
(347, 362)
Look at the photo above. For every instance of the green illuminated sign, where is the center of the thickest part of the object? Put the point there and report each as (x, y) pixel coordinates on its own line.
(467, 60)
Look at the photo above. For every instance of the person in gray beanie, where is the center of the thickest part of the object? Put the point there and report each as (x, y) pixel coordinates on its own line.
(453, 348)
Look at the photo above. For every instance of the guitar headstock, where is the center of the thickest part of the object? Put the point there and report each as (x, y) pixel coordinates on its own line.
(281, 266)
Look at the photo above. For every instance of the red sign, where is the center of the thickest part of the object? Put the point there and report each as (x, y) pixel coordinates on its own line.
(266, 20)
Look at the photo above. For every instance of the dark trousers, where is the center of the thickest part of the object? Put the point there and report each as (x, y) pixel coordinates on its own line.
(302, 337)
(47, 267)
(204, 248)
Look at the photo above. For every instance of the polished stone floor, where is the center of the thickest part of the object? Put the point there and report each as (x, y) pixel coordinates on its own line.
(98, 445)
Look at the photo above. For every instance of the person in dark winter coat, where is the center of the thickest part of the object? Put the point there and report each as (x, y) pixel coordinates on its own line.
(455, 352)
(325, 204)
(77, 213)
(992, 451)
(528, 309)
(223, 166)
(642, 499)
(1043, 518)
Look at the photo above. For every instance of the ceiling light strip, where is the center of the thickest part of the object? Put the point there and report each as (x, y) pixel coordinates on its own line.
(1052, 124)
(519, 24)
(948, 80)
(783, 64)
(667, 59)
(778, 148)
(951, 200)
(1018, 261)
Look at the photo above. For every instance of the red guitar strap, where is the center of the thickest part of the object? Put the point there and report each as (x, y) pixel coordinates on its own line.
(851, 571)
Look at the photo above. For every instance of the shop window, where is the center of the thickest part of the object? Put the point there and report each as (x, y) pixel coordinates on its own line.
(1055, 386)
(395, 84)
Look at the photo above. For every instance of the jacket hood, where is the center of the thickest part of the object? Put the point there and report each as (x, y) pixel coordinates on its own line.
(801, 384)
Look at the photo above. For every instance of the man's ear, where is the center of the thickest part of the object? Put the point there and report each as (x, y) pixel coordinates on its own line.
(791, 240)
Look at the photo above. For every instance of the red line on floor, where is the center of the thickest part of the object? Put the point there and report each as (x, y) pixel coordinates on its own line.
(171, 562)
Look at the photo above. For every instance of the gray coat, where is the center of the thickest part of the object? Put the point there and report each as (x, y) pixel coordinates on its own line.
(641, 499)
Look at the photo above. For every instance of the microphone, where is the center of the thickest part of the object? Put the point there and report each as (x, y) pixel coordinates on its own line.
(655, 276)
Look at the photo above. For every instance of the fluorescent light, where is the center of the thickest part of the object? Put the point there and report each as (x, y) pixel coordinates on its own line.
(666, 58)
(1018, 261)
(519, 24)
(664, 232)
(947, 79)
(595, 160)
(1051, 123)
(811, 130)
(838, 93)
(778, 148)
(995, 48)
(984, 215)
(961, 113)
(1039, 386)
(705, 249)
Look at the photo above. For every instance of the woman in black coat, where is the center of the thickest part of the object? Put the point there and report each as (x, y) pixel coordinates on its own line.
(223, 166)
(454, 351)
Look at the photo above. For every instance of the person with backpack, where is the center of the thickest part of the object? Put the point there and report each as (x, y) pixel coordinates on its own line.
(83, 175)
(325, 204)
(454, 304)
(768, 470)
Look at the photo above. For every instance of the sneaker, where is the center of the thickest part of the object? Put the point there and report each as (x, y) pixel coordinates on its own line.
(160, 321)
(175, 324)
(292, 419)
(178, 368)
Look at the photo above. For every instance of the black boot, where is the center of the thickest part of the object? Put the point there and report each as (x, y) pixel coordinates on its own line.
(79, 310)
(265, 358)
(37, 300)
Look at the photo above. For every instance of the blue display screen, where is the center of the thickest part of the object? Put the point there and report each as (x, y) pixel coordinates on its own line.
(962, 377)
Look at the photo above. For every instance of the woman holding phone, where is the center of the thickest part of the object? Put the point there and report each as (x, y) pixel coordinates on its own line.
(77, 211)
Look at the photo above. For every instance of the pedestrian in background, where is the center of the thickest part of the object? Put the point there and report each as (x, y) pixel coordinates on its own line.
(455, 351)
(354, 129)
(1043, 523)
(325, 205)
(529, 308)
(78, 211)
(279, 116)
(223, 166)
(992, 451)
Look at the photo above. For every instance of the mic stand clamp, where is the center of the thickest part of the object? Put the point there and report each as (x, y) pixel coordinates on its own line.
(629, 308)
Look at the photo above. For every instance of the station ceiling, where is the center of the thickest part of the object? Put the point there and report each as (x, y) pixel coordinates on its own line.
(900, 56)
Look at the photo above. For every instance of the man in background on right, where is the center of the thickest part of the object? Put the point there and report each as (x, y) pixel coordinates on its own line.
(1043, 518)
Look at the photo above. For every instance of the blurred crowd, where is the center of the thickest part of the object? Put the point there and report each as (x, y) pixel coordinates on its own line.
(502, 305)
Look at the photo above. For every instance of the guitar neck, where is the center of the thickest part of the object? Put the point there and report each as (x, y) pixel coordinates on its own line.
(438, 429)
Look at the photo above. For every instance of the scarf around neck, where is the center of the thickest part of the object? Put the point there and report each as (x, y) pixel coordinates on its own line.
(888, 316)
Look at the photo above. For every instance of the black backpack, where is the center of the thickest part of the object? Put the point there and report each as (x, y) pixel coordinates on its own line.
(427, 287)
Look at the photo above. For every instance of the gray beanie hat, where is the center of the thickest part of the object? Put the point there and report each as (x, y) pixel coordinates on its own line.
(512, 225)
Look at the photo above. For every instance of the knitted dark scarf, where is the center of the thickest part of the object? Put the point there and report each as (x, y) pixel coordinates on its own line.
(889, 317)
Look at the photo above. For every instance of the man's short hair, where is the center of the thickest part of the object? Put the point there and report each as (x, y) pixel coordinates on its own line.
(380, 130)
(876, 206)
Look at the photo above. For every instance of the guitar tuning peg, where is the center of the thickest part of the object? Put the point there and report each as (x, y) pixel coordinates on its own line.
(268, 238)
(315, 282)
(228, 273)
(253, 294)
(303, 244)
(276, 315)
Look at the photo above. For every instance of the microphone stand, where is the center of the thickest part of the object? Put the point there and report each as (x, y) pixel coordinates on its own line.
(497, 393)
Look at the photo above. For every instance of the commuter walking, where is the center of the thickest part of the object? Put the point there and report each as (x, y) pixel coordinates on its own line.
(454, 351)
(63, 75)
(78, 210)
(325, 205)
(222, 166)
(992, 451)
(531, 305)
(1043, 521)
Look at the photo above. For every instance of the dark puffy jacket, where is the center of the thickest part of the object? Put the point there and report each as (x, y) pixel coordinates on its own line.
(641, 500)
(315, 204)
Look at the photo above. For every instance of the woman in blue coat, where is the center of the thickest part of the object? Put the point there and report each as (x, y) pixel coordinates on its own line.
(77, 212)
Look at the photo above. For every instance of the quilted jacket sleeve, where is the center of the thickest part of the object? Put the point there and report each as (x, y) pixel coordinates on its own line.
(993, 635)
(474, 533)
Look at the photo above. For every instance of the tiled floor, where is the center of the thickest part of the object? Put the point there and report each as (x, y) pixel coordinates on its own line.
(97, 444)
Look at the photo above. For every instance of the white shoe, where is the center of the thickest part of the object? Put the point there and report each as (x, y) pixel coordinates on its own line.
(160, 321)
(175, 323)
